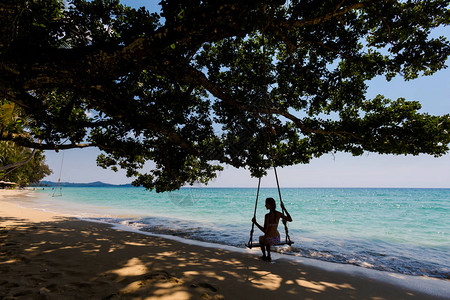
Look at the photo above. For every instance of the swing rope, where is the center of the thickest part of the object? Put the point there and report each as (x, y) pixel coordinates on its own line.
(288, 238)
(250, 241)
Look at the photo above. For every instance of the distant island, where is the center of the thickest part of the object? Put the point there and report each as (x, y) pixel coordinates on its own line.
(89, 184)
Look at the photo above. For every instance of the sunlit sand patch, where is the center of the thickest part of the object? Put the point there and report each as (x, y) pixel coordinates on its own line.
(161, 280)
(34, 249)
(213, 275)
(234, 274)
(234, 261)
(311, 285)
(65, 248)
(205, 273)
(174, 295)
(115, 247)
(322, 285)
(168, 253)
(91, 251)
(226, 262)
(266, 280)
(134, 267)
(191, 273)
(135, 244)
(112, 249)
(289, 282)
(132, 287)
(338, 286)
(11, 261)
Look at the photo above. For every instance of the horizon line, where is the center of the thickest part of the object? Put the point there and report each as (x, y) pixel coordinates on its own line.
(266, 187)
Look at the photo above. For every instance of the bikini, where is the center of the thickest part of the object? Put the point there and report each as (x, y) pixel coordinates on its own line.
(274, 239)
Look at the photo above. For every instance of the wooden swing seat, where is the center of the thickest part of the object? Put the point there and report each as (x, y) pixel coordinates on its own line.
(259, 245)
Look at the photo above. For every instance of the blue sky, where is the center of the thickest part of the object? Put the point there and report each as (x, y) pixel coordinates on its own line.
(339, 170)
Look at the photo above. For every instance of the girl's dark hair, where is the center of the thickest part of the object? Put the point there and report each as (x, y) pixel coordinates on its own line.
(271, 202)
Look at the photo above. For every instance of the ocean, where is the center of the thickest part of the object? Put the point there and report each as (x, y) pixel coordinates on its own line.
(404, 231)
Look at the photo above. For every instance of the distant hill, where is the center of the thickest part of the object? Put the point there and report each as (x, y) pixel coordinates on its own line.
(90, 184)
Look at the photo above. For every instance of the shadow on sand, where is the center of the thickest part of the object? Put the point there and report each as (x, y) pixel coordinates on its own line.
(72, 259)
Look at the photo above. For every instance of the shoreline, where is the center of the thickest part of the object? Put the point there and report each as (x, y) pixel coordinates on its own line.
(225, 269)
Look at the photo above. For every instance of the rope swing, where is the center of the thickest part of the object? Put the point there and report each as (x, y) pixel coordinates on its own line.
(287, 241)
(57, 191)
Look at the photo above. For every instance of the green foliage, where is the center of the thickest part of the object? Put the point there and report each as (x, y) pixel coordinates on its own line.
(200, 84)
(12, 156)
(26, 174)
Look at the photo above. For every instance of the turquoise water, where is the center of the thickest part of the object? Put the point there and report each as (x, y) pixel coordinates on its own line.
(398, 230)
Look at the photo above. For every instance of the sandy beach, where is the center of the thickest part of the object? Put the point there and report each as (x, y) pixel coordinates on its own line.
(50, 256)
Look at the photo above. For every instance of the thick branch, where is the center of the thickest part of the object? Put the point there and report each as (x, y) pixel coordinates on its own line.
(24, 141)
(20, 163)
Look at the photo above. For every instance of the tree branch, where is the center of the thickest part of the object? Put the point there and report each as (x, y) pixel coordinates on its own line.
(18, 164)
(24, 141)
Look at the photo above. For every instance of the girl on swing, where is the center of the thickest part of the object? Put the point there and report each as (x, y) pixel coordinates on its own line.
(271, 235)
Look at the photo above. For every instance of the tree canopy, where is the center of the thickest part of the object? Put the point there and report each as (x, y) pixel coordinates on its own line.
(204, 83)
